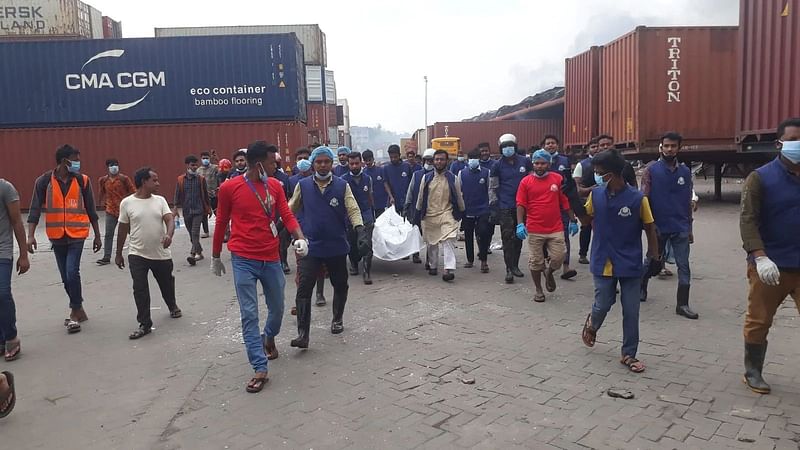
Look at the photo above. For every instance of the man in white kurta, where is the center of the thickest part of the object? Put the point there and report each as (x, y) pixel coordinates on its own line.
(440, 205)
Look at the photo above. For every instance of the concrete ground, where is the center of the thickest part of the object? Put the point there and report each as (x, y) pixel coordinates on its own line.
(421, 364)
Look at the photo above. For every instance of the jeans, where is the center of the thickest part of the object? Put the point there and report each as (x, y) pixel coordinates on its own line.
(512, 247)
(68, 258)
(605, 296)
(477, 228)
(108, 244)
(193, 223)
(247, 273)
(8, 312)
(162, 272)
(585, 240)
(680, 251)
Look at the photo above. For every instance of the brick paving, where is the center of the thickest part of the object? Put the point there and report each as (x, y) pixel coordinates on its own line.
(422, 364)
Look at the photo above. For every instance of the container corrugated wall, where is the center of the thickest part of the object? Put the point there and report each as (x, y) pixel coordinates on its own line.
(769, 66)
(581, 114)
(528, 132)
(43, 18)
(318, 122)
(161, 147)
(673, 78)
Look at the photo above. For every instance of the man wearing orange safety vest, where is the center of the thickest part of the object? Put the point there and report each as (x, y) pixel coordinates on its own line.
(65, 197)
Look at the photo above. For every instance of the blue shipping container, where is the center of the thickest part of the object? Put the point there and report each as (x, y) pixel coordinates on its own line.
(180, 79)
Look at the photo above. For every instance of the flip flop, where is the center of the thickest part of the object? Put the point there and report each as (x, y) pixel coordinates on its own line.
(176, 313)
(589, 334)
(538, 298)
(620, 393)
(11, 396)
(12, 353)
(571, 273)
(549, 280)
(256, 384)
(72, 326)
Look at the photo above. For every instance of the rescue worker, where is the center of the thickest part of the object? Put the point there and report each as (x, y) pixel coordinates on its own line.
(488, 162)
(504, 180)
(560, 164)
(209, 171)
(327, 203)
(343, 167)
(584, 166)
(410, 207)
(459, 164)
(398, 176)
(440, 207)
(667, 184)
(474, 181)
(65, 197)
(541, 202)
(620, 213)
(112, 188)
(381, 189)
(769, 225)
(362, 187)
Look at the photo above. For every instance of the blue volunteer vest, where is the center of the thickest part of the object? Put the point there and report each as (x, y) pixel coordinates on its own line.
(489, 163)
(780, 214)
(475, 189)
(399, 177)
(510, 175)
(457, 166)
(671, 197)
(451, 183)
(325, 218)
(617, 228)
(341, 170)
(379, 195)
(361, 190)
(587, 174)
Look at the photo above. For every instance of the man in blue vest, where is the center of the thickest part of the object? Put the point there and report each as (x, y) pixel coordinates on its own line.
(361, 186)
(584, 166)
(459, 164)
(398, 176)
(474, 181)
(440, 207)
(667, 184)
(380, 189)
(619, 213)
(410, 205)
(343, 167)
(327, 204)
(769, 225)
(506, 174)
(560, 164)
(488, 162)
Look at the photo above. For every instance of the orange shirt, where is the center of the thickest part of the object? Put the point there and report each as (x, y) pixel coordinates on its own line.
(113, 190)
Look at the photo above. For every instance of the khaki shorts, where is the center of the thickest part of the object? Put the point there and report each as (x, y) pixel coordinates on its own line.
(556, 250)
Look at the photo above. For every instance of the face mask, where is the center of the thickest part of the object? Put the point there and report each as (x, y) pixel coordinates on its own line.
(356, 173)
(791, 151)
(113, 170)
(241, 170)
(474, 163)
(428, 167)
(262, 174)
(192, 172)
(303, 165)
(319, 176)
(206, 161)
(461, 158)
(599, 180)
(74, 167)
(668, 158)
(508, 152)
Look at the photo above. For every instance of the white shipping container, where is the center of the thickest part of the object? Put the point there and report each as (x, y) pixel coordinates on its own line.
(311, 36)
(96, 19)
(314, 88)
(21, 18)
(330, 88)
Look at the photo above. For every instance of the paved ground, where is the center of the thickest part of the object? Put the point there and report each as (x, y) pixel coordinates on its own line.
(397, 377)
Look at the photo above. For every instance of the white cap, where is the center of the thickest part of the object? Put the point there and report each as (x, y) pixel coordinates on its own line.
(508, 137)
(428, 153)
(243, 150)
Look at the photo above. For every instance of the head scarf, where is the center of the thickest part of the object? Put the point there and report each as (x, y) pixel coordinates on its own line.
(321, 151)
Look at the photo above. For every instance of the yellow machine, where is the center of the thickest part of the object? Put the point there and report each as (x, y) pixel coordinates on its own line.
(452, 145)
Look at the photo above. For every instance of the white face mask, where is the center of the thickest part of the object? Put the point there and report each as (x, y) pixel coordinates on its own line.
(428, 166)
(113, 170)
(318, 176)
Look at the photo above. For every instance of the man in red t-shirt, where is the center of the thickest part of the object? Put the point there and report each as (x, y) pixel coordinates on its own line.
(251, 203)
(540, 201)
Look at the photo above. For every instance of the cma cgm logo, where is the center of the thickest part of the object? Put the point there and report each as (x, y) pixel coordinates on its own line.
(121, 80)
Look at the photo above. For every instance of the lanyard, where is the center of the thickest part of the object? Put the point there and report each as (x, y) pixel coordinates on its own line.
(264, 205)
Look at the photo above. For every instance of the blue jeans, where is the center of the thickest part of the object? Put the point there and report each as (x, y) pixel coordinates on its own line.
(68, 258)
(246, 275)
(605, 296)
(8, 312)
(680, 251)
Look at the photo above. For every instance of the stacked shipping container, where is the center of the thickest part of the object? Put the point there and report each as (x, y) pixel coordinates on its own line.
(49, 19)
(581, 108)
(528, 132)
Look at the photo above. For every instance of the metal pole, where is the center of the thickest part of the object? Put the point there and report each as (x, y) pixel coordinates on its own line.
(426, 102)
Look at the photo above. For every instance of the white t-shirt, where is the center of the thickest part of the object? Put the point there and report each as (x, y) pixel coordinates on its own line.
(146, 219)
(578, 172)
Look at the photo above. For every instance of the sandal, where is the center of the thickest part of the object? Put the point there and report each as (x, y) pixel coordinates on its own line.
(589, 334)
(12, 349)
(72, 326)
(571, 273)
(538, 297)
(633, 364)
(140, 332)
(256, 384)
(10, 398)
(176, 313)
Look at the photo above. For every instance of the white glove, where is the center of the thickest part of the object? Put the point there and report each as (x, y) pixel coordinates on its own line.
(217, 268)
(301, 247)
(768, 271)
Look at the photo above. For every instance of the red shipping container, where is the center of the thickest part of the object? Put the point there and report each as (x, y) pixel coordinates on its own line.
(318, 122)
(31, 152)
(654, 80)
(769, 66)
(581, 114)
(528, 132)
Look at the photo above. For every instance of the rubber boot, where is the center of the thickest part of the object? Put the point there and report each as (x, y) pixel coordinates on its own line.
(353, 268)
(516, 255)
(753, 365)
(303, 323)
(367, 270)
(339, 300)
(321, 292)
(683, 303)
(643, 289)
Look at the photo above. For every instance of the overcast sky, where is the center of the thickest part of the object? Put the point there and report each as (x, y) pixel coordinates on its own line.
(478, 55)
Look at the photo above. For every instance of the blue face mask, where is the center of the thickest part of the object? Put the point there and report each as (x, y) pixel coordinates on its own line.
(599, 180)
(791, 151)
(206, 162)
(262, 174)
(304, 165)
(74, 167)
(508, 152)
(474, 163)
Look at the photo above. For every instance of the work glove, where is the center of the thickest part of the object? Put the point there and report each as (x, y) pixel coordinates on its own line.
(522, 233)
(573, 228)
(217, 268)
(364, 242)
(767, 271)
(654, 266)
(301, 247)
